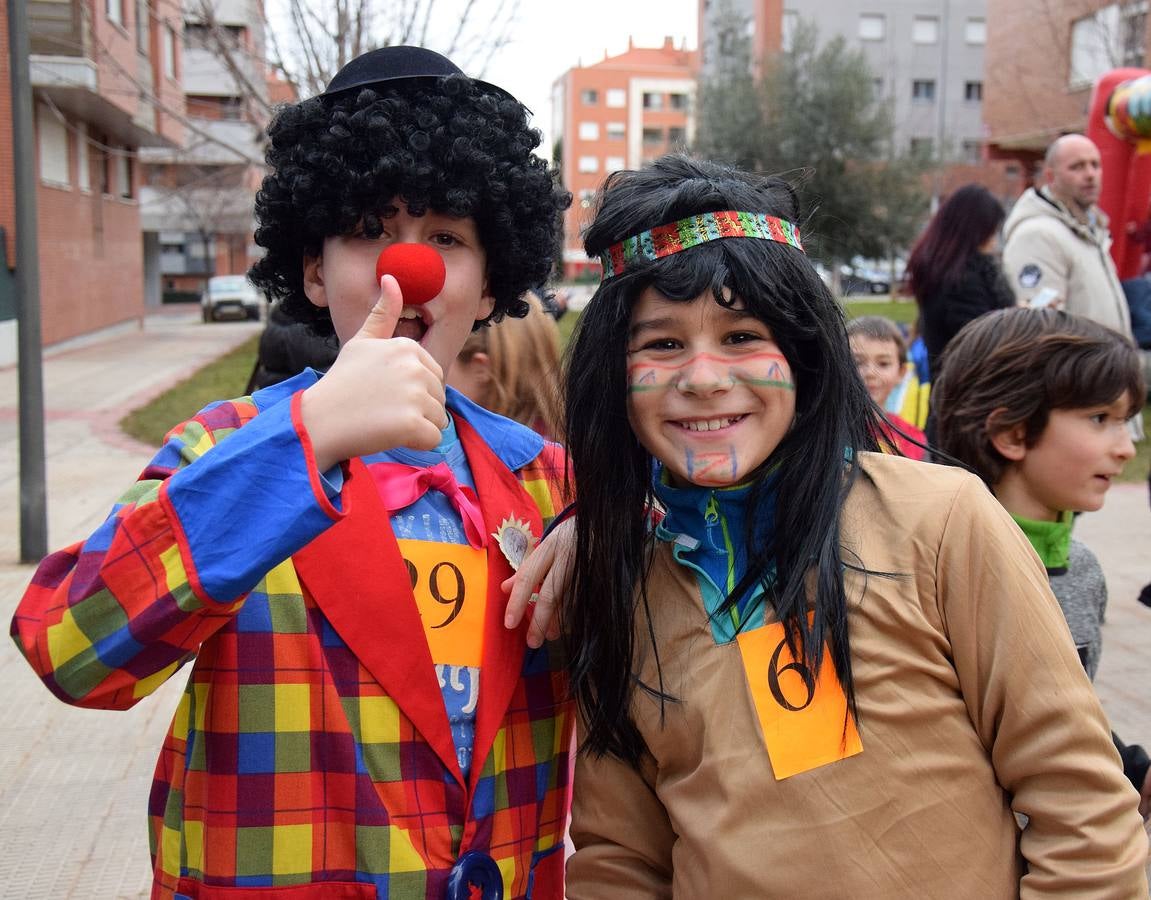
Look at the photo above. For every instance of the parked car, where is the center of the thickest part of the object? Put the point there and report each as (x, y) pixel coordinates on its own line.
(864, 281)
(231, 297)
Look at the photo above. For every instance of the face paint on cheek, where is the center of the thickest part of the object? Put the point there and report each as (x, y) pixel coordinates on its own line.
(719, 467)
(764, 370)
(644, 377)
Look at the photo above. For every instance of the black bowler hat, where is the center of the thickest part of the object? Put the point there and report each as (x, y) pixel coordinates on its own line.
(398, 63)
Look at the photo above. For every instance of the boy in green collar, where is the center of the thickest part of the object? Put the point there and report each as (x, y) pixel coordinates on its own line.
(1039, 403)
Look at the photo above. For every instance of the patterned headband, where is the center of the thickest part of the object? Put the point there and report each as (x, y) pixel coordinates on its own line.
(664, 240)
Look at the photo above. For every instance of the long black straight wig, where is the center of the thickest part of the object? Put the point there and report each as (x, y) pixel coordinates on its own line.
(812, 467)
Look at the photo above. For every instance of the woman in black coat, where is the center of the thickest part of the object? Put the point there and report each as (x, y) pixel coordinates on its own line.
(952, 270)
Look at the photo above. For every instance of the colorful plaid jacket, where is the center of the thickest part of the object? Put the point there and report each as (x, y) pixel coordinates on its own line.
(311, 746)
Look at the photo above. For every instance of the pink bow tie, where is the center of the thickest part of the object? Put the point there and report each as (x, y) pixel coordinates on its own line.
(400, 486)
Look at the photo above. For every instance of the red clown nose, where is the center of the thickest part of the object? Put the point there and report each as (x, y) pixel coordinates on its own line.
(417, 267)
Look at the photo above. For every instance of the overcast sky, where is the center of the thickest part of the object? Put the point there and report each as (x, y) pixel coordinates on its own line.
(551, 37)
(548, 38)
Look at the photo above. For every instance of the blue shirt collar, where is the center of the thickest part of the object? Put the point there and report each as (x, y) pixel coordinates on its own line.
(516, 445)
(686, 507)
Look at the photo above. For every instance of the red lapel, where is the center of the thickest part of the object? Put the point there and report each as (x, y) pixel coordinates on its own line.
(501, 495)
(356, 575)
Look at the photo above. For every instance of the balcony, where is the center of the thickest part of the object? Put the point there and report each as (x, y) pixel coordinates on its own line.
(64, 70)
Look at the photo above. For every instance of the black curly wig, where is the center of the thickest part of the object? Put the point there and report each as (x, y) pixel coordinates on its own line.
(449, 145)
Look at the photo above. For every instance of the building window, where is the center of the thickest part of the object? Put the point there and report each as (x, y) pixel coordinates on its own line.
(83, 176)
(114, 9)
(787, 33)
(169, 52)
(872, 27)
(972, 153)
(196, 36)
(877, 88)
(614, 164)
(652, 100)
(99, 147)
(677, 136)
(616, 98)
(973, 91)
(589, 131)
(589, 96)
(232, 108)
(124, 174)
(142, 26)
(925, 30)
(588, 164)
(616, 131)
(922, 148)
(214, 108)
(975, 31)
(1133, 34)
(52, 140)
(923, 90)
(653, 135)
(677, 101)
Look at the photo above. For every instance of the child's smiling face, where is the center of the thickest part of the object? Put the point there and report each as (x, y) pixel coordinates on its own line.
(878, 364)
(343, 279)
(710, 394)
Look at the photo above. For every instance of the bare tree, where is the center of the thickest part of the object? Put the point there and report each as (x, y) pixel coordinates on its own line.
(810, 115)
(306, 41)
(315, 38)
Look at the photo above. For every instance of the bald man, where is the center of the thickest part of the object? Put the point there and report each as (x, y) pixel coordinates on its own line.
(1057, 244)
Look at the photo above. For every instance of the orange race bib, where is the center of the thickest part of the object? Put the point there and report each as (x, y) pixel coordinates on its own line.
(450, 582)
(801, 717)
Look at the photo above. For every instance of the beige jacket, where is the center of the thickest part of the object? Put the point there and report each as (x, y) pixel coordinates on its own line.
(1047, 247)
(973, 705)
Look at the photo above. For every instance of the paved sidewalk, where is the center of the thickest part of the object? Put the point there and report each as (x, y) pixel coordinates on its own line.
(74, 783)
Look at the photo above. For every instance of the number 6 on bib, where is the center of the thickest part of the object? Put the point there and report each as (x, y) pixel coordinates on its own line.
(802, 718)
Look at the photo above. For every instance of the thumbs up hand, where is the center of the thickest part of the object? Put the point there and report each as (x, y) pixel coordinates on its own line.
(381, 392)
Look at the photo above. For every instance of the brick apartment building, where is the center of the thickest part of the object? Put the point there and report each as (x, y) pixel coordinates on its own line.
(196, 200)
(1042, 59)
(105, 78)
(618, 114)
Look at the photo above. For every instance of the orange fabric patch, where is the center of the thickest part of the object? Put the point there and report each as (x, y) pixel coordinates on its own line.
(450, 583)
(802, 718)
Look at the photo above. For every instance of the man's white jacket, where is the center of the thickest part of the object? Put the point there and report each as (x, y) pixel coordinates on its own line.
(1048, 247)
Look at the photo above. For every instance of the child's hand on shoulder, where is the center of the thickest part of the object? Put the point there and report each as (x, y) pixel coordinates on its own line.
(381, 392)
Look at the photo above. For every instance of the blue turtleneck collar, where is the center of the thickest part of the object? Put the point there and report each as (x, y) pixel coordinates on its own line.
(708, 530)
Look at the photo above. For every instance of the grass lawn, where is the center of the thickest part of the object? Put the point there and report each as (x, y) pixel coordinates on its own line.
(222, 379)
(567, 325)
(902, 311)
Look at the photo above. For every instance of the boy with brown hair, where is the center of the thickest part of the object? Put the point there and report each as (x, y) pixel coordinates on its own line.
(1037, 403)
